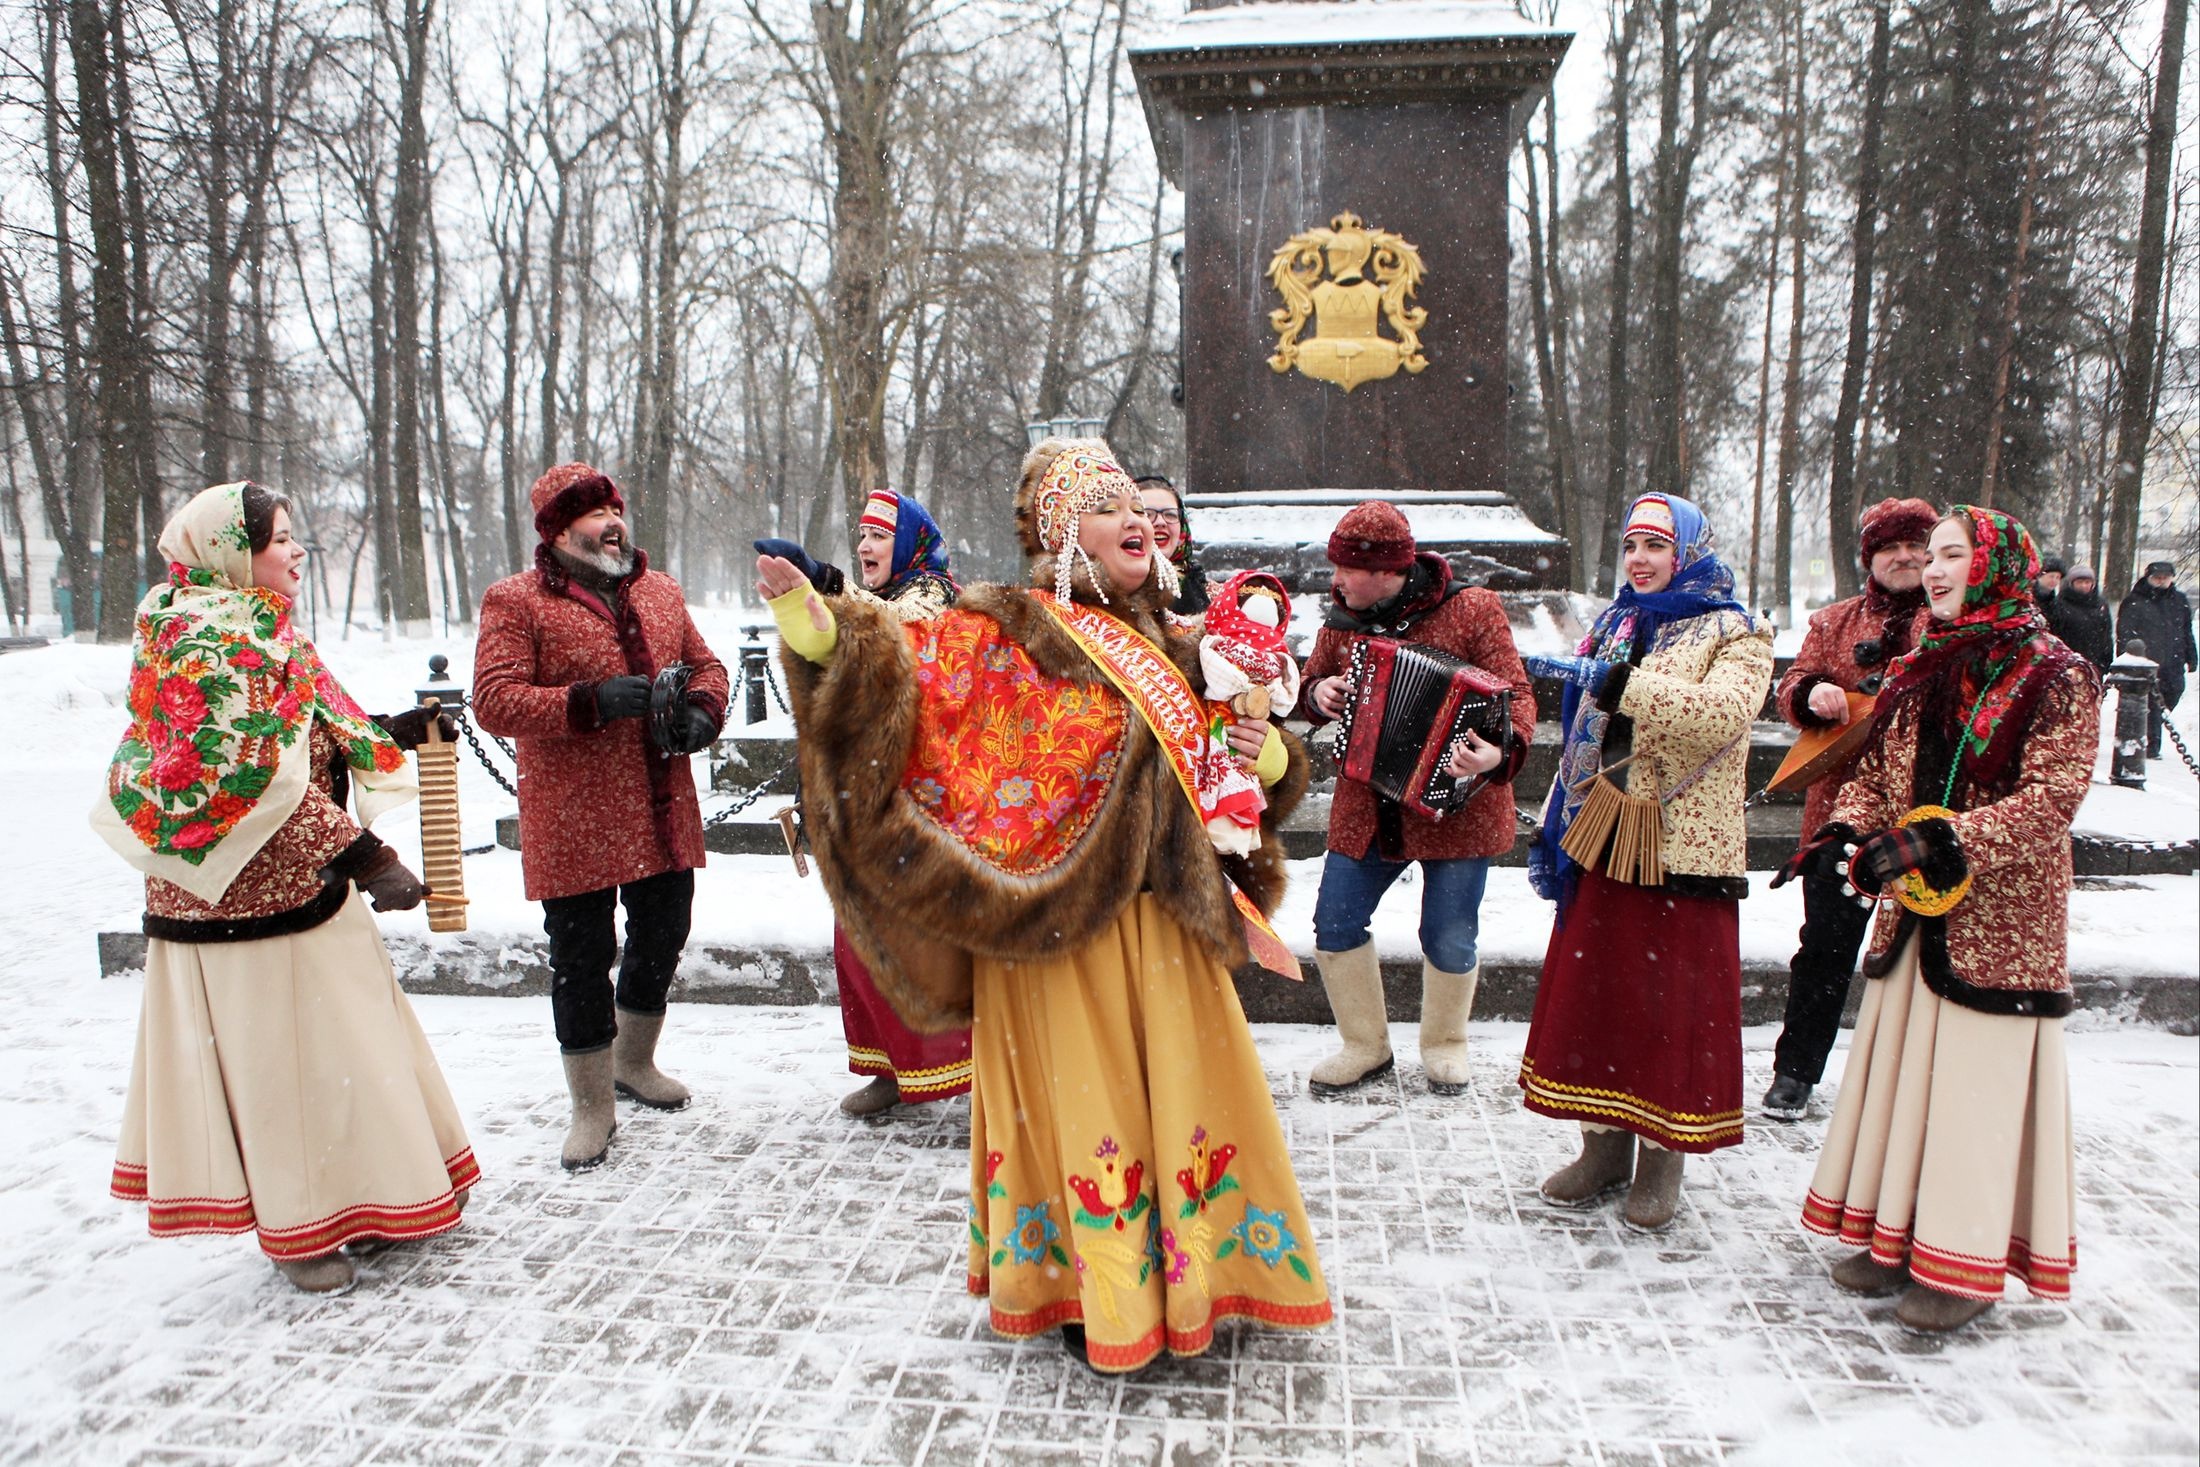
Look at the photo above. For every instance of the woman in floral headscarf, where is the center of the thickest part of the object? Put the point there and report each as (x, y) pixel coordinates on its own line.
(1949, 1154)
(1637, 1031)
(1015, 840)
(282, 1085)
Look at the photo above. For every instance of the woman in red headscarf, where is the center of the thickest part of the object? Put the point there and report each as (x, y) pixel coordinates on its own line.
(282, 1086)
(1949, 1153)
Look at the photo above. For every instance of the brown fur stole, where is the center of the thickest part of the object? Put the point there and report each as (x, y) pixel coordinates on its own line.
(916, 903)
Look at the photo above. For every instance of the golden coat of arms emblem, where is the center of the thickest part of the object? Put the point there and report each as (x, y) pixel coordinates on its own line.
(1348, 279)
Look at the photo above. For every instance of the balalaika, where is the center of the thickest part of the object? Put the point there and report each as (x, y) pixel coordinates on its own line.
(1406, 708)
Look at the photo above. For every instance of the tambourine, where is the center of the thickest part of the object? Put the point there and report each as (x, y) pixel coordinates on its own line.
(668, 705)
(1912, 889)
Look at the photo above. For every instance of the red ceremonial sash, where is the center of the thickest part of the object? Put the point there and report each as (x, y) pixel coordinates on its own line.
(1152, 684)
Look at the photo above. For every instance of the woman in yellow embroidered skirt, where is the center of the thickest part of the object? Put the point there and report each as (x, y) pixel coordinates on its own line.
(282, 1085)
(1949, 1160)
(1015, 839)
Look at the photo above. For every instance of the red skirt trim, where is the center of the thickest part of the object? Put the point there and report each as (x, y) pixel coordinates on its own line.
(925, 1066)
(172, 1217)
(1143, 1350)
(1967, 1275)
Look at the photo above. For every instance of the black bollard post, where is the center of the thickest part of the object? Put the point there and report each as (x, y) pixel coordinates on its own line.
(2132, 676)
(753, 667)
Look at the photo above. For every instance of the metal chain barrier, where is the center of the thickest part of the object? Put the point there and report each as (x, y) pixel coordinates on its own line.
(473, 741)
(2178, 739)
(742, 801)
(771, 681)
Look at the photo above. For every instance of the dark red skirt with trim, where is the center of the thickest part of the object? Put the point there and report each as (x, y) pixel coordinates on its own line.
(1638, 1017)
(926, 1066)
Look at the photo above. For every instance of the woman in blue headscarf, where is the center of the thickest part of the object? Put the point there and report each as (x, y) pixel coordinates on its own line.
(901, 561)
(1637, 1028)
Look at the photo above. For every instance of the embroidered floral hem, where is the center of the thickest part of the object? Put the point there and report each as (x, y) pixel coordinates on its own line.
(1136, 1179)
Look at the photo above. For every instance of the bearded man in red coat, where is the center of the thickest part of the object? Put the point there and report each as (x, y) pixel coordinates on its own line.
(564, 667)
(1382, 585)
(1846, 650)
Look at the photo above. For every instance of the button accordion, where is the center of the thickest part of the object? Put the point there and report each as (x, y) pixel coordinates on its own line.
(1406, 707)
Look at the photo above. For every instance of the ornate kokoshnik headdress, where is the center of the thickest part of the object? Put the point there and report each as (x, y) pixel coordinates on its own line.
(1081, 479)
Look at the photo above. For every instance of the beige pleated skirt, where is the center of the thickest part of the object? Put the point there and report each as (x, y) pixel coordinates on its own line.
(1950, 1144)
(284, 1087)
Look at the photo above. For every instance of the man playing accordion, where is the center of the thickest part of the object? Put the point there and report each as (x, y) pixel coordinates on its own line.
(1383, 587)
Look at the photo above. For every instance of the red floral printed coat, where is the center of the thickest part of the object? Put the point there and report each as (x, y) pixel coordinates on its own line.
(1469, 624)
(598, 804)
(2004, 948)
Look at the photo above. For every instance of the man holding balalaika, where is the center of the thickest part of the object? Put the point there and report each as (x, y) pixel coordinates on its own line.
(1441, 715)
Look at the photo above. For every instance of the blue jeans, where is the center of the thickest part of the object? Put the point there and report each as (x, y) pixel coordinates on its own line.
(1451, 905)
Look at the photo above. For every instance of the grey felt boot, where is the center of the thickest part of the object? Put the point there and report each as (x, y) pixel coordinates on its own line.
(1607, 1159)
(634, 1063)
(331, 1273)
(1657, 1189)
(595, 1109)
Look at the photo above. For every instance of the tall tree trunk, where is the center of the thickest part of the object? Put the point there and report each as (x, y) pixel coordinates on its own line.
(378, 443)
(1539, 309)
(2134, 416)
(407, 214)
(152, 514)
(454, 527)
(114, 349)
(1623, 254)
(1668, 472)
(217, 429)
(77, 447)
(1791, 389)
(657, 411)
(1842, 499)
(63, 521)
(1764, 383)
(1561, 350)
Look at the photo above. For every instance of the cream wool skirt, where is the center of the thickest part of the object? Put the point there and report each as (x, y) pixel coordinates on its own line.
(1950, 1144)
(283, 1086)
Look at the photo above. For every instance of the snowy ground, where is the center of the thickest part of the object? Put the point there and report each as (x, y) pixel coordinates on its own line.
(759, 1278)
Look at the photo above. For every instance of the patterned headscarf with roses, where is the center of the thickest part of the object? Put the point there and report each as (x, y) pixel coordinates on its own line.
(1980, 676)
(223, 695)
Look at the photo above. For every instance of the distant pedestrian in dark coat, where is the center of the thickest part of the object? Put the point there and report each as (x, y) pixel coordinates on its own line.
(2158, 614)
(2079, 616)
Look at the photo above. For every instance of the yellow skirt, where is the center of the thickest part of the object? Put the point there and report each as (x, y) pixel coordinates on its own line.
(283, 1087)
(1950, 1145)
(1127, 1169)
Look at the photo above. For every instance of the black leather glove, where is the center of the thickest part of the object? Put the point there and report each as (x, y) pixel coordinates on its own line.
(409, 730)
(825, 578)
(701, 730)
(390, 887)
(622, 697)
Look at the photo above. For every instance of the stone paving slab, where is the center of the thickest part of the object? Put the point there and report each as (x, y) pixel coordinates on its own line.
(760, 1279)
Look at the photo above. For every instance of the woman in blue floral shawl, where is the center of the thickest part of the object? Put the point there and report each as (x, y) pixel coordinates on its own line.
(281, 1085)
(1637, 1032)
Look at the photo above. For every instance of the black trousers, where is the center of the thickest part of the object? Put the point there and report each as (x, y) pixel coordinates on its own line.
(1818, 978)
(582, 941)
